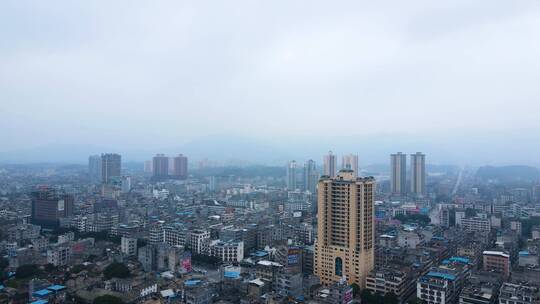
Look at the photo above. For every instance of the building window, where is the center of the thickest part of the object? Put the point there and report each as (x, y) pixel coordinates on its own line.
(339, 266)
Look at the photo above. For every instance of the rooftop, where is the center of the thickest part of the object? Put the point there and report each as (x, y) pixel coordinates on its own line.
(441, 275)
(269, 263)
(496, 253)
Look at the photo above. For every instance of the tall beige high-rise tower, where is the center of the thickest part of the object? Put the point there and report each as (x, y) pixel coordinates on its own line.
(345, 242)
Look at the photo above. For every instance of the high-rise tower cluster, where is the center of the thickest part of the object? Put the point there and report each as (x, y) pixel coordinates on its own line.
(310, 175)
(164, 167)
(398, 172)
(305, 180)
(329, 164)
(348, 162)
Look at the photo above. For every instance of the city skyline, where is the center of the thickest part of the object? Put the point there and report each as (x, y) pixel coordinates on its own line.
(284, 152)
(372, 150)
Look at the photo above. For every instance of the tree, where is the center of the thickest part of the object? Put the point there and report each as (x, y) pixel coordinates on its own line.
(77, 268)
(527, 225)
(116, 270)
(4, 263)
(355, 289)
(415, 301)
(390, 298)
(205, 259)
(92, 258)
(108, 299)
(366, 296)
(26, 271)
(49, 267)
(12, 284)
(421, 219)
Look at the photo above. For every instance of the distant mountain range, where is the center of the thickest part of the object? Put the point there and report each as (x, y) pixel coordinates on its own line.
(240, 150)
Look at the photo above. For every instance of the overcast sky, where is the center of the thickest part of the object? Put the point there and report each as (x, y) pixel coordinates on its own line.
(139, 74)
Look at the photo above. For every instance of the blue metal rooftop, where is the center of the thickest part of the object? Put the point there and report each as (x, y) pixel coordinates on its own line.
(260, 254)
(42, 292)
(231, 274)
(460, 259)
(56, 287)
(441, 275)
(192, 282)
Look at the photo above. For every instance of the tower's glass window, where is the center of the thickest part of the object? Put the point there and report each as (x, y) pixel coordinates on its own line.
(339, 266)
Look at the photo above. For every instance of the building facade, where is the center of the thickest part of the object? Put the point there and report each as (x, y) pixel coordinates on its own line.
(49, 206)
(345, 244)
(94, 168)
(180, 167)
(311, 176)
(128, 246)
(476, 224)
(518, 294)
(291, 175)
(330, 165)
(418, 173)
(198, 241)
(350, 162)
(398, 174)
(111, 167)
(497, 261)
(160, 165)
(227, 251)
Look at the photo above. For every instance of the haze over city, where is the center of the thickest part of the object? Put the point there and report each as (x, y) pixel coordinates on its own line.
(266, 82)
(269, 152)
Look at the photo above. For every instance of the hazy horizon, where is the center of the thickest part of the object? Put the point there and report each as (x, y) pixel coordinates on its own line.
(456, 150)
(267, 82)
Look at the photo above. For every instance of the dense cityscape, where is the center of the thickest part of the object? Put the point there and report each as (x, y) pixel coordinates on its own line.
(315, 231)
(269, 152)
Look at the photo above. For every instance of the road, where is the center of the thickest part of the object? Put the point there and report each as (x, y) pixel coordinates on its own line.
(458, 181)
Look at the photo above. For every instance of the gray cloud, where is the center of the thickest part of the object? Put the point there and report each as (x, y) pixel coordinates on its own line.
(136, 74)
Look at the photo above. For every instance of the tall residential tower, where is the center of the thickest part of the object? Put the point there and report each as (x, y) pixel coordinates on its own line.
(350, 162)
(180, 167)
(291, 175)
(345, 241)
(330, 164)
(94, 168)
(111, 167)
(49, 206)
(160, 165)
(311, 176)
(418, 173)
(398, 167)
